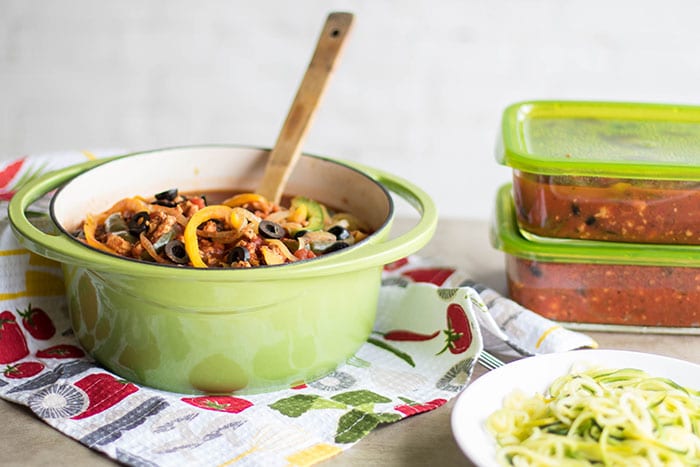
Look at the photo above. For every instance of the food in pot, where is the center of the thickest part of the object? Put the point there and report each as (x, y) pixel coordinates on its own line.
(614, 209)
(242, 230)
(599, 416)
(625, 294)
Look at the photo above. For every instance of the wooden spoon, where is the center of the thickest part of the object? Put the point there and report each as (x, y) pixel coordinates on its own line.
(293, 133)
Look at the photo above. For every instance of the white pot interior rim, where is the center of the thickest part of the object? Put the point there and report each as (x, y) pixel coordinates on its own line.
(213, 168)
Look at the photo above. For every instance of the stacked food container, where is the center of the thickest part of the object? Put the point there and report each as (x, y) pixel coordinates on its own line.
(601, 223)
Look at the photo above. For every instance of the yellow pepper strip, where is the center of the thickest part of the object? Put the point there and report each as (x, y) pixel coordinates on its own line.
(245, 198)
(358, 235)
(129, 204)
(89, 227)
(271, 257)
(238, 219)
(282, 248)
(326, 216)
(243, 216)
(299, 214)
(219, 212)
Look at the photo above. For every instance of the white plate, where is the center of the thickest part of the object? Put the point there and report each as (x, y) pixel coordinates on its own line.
(533, 375)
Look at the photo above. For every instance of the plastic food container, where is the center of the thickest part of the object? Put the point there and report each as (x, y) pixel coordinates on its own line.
(600, 285)
(623, 172)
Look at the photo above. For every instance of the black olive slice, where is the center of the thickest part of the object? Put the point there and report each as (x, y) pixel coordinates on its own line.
(165, 202)
(168, 195)
(340, 232)
(237, 254)
(175, 250)
(270, 229)
(335, 247)
(139, 223)
(300, 233)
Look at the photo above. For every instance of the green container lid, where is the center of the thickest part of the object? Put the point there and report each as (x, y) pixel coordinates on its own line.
(506, 236)
(602, 139)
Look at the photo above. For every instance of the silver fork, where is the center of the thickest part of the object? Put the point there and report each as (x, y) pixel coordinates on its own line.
(489, 361)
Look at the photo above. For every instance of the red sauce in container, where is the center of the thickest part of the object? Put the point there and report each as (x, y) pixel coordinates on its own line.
(595, 284)
(621, 210)
(607, 293)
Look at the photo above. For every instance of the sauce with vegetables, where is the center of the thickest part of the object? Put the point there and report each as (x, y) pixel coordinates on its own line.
(594, 208)
(221, 230)
(607, 293)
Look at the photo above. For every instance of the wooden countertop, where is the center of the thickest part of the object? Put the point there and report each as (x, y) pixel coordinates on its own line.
(425, 439)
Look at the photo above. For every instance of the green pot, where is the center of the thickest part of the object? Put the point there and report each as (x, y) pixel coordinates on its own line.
(193, 330)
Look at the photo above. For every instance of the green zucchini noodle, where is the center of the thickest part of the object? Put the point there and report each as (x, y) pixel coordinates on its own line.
(595, 416)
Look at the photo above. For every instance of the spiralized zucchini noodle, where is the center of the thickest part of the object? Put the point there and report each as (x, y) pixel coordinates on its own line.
(598, 416)
(244, 230)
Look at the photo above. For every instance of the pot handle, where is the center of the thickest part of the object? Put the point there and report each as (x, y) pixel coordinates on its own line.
(28, 234)
(409, 242)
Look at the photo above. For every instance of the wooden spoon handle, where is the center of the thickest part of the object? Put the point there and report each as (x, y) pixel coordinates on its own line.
(293, 133)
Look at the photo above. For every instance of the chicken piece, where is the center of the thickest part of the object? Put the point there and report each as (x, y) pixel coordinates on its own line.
(120, 245)
(211, 252)
(251, 242)
(161, 223)
(209, 227)
(189, 208)
(137, 250)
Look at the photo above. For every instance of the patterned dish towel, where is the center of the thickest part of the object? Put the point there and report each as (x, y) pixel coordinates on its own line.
(432, 323)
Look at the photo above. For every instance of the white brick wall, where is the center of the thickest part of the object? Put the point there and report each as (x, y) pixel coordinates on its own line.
(419, 90)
